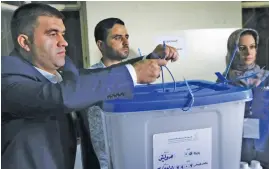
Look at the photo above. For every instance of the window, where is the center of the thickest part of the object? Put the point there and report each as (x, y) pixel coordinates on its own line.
(256, 16)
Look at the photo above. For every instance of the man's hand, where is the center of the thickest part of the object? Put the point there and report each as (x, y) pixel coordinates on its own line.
(148, 70)
(167, 53)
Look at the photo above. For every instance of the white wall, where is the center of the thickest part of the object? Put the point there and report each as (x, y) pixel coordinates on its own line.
(204, 25)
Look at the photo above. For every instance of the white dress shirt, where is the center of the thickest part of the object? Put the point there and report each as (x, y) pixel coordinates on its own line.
(129, 67)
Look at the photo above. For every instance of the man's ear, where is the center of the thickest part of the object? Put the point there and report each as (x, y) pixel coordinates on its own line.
(100, 45)
(24, 42)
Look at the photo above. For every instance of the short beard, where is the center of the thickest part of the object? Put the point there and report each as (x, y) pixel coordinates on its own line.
(113, 55)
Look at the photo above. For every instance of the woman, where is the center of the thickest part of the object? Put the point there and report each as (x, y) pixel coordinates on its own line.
(245, 42)
(244, 61)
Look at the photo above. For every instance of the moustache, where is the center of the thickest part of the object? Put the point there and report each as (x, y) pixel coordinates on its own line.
(126, 46)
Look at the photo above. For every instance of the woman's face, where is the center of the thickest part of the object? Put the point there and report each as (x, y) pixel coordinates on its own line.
(247, 49)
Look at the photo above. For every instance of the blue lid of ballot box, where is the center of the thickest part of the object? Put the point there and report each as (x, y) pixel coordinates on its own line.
(152, 97)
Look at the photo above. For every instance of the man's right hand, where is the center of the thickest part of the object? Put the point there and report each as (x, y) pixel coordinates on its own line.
(148, 70)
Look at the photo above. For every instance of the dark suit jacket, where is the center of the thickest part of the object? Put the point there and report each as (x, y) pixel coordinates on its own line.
(36, 129)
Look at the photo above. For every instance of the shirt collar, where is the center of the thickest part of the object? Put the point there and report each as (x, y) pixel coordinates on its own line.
(51, 77)
(102, 64)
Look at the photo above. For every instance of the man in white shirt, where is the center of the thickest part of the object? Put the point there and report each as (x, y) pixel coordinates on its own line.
(111, 37)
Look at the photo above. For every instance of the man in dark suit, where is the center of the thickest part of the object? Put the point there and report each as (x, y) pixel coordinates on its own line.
(37, 98)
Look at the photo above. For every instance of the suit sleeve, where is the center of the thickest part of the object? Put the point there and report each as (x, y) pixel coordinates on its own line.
(78, 90)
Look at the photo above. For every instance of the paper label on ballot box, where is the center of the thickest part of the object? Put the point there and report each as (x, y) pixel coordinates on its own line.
(183, 149)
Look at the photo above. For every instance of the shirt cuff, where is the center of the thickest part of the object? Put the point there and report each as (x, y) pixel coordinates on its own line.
(132, 73)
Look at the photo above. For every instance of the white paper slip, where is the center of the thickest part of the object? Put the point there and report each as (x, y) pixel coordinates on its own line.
(183, 149)
(177, 42)
(251, 128)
